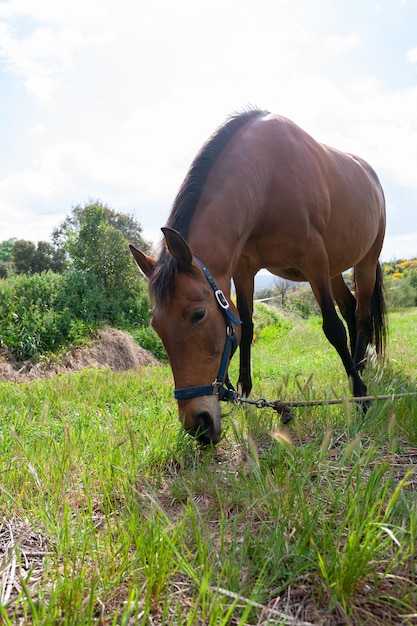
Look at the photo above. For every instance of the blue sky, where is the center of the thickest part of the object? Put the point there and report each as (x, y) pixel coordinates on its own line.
(110, 100)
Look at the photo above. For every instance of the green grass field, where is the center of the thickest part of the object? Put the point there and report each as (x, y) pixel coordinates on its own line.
(110, 514)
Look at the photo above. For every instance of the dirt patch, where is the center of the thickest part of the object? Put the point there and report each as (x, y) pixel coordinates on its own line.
(112, 349)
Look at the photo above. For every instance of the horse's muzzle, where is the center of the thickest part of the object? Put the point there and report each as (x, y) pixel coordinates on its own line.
(201, 418)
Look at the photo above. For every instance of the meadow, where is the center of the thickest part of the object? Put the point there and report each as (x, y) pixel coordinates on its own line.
(110, 514)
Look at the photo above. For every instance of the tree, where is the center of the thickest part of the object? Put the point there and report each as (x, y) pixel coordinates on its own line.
(23, 256)
(100, 285)
(48, 257)
(96, 239)
(4, 269)
(124, 223)
(6, 248)
(28, 258)
(279, 292)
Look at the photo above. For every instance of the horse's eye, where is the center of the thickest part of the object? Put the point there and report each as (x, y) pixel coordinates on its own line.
(197, 316)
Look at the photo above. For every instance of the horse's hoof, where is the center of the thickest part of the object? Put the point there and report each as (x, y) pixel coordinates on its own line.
(364, 406)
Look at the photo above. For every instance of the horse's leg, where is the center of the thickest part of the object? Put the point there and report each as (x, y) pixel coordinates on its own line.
(366, 278)
(347, 305)
(244, 284)
(333, 326)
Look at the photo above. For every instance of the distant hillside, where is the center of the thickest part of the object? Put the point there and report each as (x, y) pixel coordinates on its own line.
(265, 280)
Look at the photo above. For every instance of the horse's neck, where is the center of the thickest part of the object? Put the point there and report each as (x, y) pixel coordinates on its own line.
(220, 257)
(219, 241)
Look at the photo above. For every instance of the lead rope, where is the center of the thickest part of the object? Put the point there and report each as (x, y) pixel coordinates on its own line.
(284, 408)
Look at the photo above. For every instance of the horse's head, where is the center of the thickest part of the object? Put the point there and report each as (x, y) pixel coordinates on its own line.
(194, 329)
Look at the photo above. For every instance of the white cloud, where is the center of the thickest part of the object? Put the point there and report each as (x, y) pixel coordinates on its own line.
(412, 55)
(130, 90)
(340, 45)
(37, 130)
(44, 57)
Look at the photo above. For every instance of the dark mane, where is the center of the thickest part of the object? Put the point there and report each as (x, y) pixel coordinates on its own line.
(189, 193)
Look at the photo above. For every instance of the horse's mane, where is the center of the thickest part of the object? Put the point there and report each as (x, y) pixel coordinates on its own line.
(187, 198)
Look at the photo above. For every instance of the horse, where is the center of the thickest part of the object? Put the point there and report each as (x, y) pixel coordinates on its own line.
(262, 193)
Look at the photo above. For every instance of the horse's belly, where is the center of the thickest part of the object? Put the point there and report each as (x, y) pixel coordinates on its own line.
(288, 273)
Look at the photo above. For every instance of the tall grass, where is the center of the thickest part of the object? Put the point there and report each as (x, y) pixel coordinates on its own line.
(110, 514)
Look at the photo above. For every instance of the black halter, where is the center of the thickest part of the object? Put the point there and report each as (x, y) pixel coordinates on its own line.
(217, 388)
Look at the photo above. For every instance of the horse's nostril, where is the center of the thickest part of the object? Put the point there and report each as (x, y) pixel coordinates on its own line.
(203, 428)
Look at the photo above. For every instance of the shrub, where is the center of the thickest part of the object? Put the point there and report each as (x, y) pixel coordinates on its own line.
(270, 334)
(149, 339)
(268, 323)
(401, 292)
(45, 312)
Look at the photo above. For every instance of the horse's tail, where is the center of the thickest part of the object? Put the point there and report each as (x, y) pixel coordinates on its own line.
(379, 314)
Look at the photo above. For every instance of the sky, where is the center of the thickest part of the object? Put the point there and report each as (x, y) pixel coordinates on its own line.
(111, 99)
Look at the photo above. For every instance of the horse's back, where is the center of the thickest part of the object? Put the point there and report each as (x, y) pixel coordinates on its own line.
(317, 175)
(288, 198)
(313, 195)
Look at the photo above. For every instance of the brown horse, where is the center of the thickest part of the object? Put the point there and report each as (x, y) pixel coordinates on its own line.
(262, 193)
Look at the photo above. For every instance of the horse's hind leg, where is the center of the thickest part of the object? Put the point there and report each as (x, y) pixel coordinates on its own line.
(335, 332)
(347, 305)
(366, 278)
(333, 326)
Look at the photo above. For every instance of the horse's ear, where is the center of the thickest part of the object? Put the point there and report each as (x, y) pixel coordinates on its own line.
(178, 248)
(145, 262)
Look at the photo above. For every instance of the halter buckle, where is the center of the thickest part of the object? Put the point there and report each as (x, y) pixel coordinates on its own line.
(221, 299)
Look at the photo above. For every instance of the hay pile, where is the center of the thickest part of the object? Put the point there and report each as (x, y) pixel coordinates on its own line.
(112, 349)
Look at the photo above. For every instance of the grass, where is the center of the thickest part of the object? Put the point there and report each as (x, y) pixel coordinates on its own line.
(110, 514)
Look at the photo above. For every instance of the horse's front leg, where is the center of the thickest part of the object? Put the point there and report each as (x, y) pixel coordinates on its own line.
(244, 283)
(244, 383)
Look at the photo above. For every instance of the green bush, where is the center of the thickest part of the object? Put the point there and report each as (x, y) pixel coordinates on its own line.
(401, 292)
(33, 316)
(268, 323)
(302, 301)
(264, 315)
(149, 339)
(270, 334)
(43, 313)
